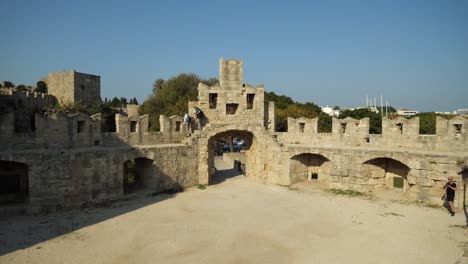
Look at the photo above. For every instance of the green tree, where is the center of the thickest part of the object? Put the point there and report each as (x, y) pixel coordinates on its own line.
(375, 119)
(324, 124)
(8, 84)
(427, 122)
(173, 97)
(134, 101)
(158, 85)
(286, 107)
(115, 102)
(21, 87)
(41, 87)
(123, 102)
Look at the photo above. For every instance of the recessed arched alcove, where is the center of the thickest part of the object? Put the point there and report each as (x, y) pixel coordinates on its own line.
(387, 172)
(307, 166)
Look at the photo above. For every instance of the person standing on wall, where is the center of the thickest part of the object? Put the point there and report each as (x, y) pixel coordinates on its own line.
(450, 188)
(187, 121)
(199, 115)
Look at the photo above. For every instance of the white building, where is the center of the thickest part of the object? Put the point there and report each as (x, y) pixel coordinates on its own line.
(330, 111)
(461, 111)
(406, 112)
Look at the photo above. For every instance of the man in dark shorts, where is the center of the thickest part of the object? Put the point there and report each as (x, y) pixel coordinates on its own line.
(450, 188)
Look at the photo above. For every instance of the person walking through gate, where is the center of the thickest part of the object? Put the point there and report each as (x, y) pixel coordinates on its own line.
(450, 188)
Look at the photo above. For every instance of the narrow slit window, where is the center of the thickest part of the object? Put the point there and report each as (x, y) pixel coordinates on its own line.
(213, 100)
(250, 101)
(343, 128)
(400, 127)
(177, 126)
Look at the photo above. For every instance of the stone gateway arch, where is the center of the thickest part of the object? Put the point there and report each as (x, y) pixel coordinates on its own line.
(67, 160)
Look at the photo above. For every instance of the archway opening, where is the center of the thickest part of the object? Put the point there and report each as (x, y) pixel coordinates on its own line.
(387, 172)
(14, 183)
(136, 174)
(312, 167)
(228, 155)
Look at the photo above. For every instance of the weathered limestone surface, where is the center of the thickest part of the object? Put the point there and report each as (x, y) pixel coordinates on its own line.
(71, 162)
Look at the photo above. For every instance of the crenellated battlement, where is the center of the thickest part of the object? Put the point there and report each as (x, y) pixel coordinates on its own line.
(398, 132)
(72, 161)
(80, 130)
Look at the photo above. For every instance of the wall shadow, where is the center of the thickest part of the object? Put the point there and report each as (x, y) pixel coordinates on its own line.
(224, 174)
(76, 180)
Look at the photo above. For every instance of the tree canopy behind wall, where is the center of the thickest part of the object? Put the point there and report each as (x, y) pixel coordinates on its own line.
(171, 97)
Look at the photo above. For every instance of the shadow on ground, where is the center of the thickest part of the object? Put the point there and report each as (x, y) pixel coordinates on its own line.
(225, 171)
(20, 232)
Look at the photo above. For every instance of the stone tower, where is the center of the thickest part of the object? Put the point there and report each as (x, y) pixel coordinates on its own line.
(230, 73)
(74, 87)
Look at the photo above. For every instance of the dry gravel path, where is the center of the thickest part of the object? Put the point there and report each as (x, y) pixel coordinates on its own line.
(237, 221)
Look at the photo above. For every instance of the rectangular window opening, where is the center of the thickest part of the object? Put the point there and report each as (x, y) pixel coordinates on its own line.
(457, 129)
(314, 176)
(80, 126)
(301, 127)
(231, 109)
(343, 128)
(177, 126)
(213, 100)
(133, 126)
(250, 101)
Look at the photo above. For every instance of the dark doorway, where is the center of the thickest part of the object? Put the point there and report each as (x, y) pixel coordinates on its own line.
(136, 174)
(14, 182)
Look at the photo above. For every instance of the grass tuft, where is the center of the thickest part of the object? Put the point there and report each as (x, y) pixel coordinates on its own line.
(347, 192)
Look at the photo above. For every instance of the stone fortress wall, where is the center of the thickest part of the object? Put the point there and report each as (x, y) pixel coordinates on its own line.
(67, 161)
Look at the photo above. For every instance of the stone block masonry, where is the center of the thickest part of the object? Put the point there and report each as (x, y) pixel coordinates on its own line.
(67, 161)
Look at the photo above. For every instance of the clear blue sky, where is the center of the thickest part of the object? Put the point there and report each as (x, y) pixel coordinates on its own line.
(414, 53)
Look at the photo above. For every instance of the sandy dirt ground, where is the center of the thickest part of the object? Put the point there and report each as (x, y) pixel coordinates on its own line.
(237, 221)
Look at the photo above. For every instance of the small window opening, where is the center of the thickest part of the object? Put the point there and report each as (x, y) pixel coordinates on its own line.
(343, 128)
(314, 176)
(213, 100)
(33, 122)
(398, 182)
(177, 126)
(81, 126)
(458, 129)
(231, 109)
(250, 101)
(400, 127)
(301, 127)
(133, 126)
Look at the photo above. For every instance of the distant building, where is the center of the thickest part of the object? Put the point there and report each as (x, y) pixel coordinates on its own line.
(461, 111)
(330, 111)
(406, 112)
